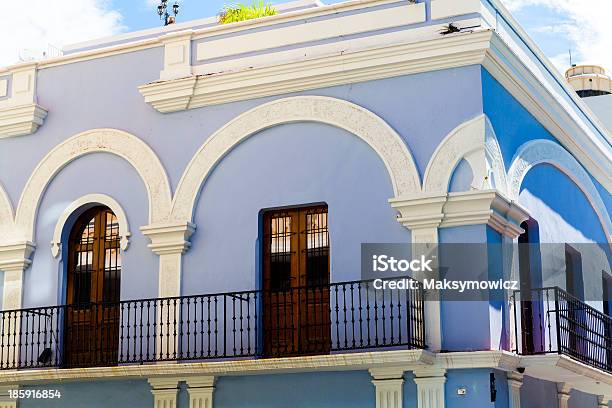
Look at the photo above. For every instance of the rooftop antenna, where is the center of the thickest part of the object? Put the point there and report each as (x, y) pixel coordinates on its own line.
(570, 57)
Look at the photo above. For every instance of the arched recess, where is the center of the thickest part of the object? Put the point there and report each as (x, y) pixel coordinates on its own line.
(336, 112)
(129, 147)
(88, 201)
(6, 215)
(543, 151)
(474, 141)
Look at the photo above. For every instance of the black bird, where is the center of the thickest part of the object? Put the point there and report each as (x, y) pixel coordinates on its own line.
(449, 29)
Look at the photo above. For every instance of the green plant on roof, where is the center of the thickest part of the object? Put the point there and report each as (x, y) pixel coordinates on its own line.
(242, 11)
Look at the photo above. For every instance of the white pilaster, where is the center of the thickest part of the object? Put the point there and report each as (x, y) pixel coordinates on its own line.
(14, 260)
(177, 55)
(5, 400)
(422, 215)
(430, 387)
(170, 242)
(563, 394)
(603, 401)
(388, 383)
(165, 391)
(201, 390)
(515, 382)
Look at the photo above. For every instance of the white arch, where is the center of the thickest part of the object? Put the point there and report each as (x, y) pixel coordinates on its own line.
(475, 142)
(336, 112)
(6, 215)
(129, 147)
(90, 200)
(542, 151)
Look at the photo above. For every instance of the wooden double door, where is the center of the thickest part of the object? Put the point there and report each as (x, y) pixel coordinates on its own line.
(91, 336)
(296, 291)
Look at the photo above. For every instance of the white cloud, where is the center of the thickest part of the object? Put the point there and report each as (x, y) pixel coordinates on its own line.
(40, 23)
(586, 24)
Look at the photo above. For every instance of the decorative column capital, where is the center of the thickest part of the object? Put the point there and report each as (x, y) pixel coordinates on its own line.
(420, 212)
(563, 394)
(430, 387)
(170, 238)
(388, 382)
(515, 382)
(165, 391)
(488, 207)
(16, 256)
(201, 390)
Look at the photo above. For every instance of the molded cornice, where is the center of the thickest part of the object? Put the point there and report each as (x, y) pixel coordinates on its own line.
(482, 47)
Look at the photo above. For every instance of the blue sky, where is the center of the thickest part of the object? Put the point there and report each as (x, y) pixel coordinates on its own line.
(556, 25)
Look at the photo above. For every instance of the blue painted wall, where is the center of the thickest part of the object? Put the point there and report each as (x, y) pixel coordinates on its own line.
(351, 389)
(102, 394)
(536, 393)
(477, 385)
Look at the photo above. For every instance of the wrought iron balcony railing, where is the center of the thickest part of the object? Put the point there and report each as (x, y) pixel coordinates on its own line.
(337, 317)
(550, 320)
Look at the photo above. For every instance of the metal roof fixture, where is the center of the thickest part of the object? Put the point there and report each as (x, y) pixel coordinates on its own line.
(162, 11)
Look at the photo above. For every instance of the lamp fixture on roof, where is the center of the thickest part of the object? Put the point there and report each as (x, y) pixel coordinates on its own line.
(162, 11)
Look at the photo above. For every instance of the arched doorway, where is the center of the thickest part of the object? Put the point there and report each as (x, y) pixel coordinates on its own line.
(92, 291)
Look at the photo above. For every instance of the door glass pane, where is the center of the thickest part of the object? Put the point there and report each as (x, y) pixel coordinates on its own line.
(280, 252)
(112, 259)
(84, 258)
(317, 247)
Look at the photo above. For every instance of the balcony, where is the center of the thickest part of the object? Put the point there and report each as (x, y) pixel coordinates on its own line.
(313, 320)
(553, 321)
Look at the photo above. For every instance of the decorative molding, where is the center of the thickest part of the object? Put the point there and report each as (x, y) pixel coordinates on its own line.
(475, 142)
(6, 215)
(19, 113)
(450, 8)
(478, 47)
(169, 238)
(430, 387)
(21, 120)
(405, 359)
(421, 212)
(388, 383)
(336, 112)
(317, 72)
(515, 382)
(543, 151)
(165, 392)
(484, 207)
(399, 14)
(474, 207)
(90, 200)
(142, 158)
(201, 390)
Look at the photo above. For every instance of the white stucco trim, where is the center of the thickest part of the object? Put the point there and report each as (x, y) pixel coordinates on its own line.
(475, 142)
(336, 112)
(142, 158)
(544, 151)
(91, 199)
(6, 215)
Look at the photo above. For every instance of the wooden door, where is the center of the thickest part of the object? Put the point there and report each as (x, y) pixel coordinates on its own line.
(296, 282)
(92, 294)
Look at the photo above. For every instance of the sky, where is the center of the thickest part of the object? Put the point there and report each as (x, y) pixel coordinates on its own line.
(584, 26)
